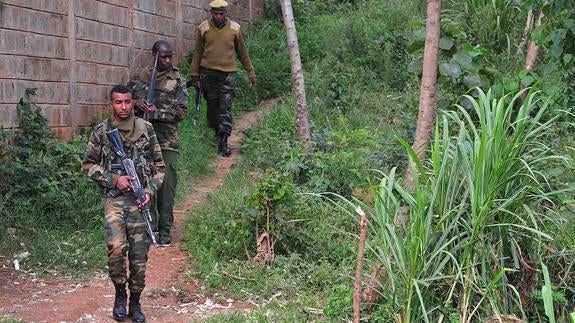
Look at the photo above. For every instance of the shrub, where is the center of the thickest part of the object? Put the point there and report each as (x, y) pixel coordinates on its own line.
(45, 197)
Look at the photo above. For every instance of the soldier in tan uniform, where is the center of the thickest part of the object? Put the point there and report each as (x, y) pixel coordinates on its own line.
(218, 43)
(125, 229)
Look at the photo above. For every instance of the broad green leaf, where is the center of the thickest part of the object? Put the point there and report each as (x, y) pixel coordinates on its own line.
(558, 35)
(551, 90)
(549, 68)
(419, 34)
(472, 80)
(445, 43)
(451, 70)
(567, 58)
(538, 34)
(527, 80)
(474, 51)
(463, 59)
(556, 50)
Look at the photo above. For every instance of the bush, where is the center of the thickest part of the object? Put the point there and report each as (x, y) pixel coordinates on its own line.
(42, 180)
(43, 189)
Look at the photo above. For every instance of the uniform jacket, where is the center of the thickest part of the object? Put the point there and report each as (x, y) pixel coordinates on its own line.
(100, 159)
(217, 48)
(171, 99)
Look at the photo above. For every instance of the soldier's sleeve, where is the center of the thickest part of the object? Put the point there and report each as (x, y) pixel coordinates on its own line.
(179, 108)
(158, 161)
(181, 100)
(198, 52)
(243, 55)
(138, 86)
(92, 165)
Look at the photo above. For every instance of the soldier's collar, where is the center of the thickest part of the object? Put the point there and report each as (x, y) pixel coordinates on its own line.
(173, 73)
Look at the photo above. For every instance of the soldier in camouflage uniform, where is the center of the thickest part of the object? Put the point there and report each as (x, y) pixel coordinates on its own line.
(124, 226)
(169, 107)
(218, 42)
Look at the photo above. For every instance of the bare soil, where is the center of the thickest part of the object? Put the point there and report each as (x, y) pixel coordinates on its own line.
(170, 296)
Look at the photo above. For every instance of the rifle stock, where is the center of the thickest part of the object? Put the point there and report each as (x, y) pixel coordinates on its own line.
(130, 169)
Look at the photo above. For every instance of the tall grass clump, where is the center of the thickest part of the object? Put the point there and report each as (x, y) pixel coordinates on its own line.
(494, 23)
(475, 215)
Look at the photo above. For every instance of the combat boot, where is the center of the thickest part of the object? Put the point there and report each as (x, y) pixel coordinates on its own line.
(120, 301)
(136, 309)
(223, 145)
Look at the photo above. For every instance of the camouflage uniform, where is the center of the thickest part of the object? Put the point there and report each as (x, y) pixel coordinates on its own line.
(171, 100)
(219, 91)
(124, 225)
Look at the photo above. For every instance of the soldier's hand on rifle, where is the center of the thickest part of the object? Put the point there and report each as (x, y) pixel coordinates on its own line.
(123, 183)
(195, 82)
(146, 201)
(145, 106)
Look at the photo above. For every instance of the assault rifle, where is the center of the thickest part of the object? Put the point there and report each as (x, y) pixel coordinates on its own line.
(198, 103)
(199, 94)
(130, 169)
(152, 84)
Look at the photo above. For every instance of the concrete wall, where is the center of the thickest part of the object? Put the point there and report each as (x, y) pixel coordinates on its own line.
(72, 51)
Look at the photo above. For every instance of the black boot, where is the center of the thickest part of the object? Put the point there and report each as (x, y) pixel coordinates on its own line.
(223, 145)
(136, 309)
(120, 301)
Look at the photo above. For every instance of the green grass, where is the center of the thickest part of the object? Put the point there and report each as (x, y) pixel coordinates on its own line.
(475, 209)
(481, 201)
(4, 319)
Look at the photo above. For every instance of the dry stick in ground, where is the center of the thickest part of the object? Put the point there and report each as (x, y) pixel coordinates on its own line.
(360, 253)
(526, 31)
(531, 57)
(533, 49)
(370, 293)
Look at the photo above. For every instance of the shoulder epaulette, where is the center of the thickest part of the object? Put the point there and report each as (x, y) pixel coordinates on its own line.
(234, 26)
(144, 125)
(204, 26)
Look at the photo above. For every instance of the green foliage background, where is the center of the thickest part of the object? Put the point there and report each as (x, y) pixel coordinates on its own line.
(362, 63)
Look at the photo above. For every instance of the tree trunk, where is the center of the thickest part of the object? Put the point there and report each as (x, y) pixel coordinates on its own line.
(298, 88)
(428, 83)
(526, 31)
(424, 120)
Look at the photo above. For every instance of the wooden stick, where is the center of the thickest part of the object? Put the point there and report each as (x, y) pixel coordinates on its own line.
(358, 270)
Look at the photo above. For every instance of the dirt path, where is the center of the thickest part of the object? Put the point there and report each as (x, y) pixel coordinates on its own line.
(169, 296)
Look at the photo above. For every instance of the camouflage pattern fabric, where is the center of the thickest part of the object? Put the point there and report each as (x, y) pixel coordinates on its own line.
(99, 159)
(219, 91)
(125, 234)
(171, 99)
(125, 228)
